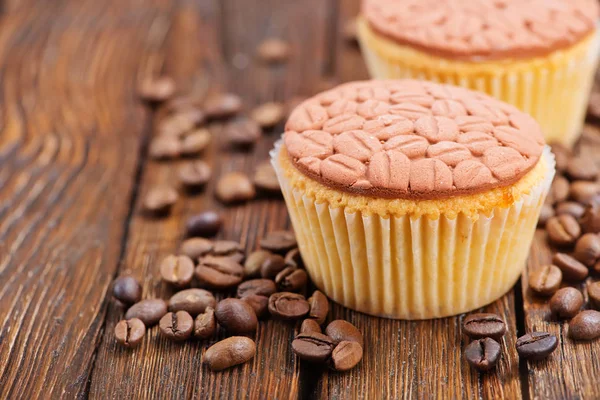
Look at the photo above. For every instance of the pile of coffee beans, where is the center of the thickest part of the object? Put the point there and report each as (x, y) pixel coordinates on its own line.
(269, 282)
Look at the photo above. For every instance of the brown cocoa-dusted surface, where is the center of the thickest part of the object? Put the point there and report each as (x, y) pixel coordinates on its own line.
(73, 149)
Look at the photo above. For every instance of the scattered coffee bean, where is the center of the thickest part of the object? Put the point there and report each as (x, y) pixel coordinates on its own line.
(205, 324)
(585, 325)
(127, 290)
(563, 230)
(254, 263)
(205, 224)
(482, 325)
(229, 352)
(183, 102)
(259, 303)
(130, 332)
(546, 212)
(340, 330)
(313, 346)
(195, 142)
(536, 345)
(566, 302)
(158, 201)
(572, 269)
(309, 326)
(242, 132)
(587, 249)
(346, 355)
(273, 51)
(268, 115)
(234, 187)
(319, 307)
(194, 301)
(177, 270)
(279, 242)
(219, 272)
(572, 208)
(483, 354)
(164, 148)
(222, 105)
(294, 258)
(177, 325)
(559, 190)
(265, 178)
(264, 287)
(271, 266)
(150, 311)
(196, 247)
(229, 248)
(582, 169)
(545, 280)
(590, 220)
(291, 279)
(349, 31)
(181, 123)
(236, 316)
(157, 89)
(585, 192)
(287, 305)
(593, 290)
(562, 155)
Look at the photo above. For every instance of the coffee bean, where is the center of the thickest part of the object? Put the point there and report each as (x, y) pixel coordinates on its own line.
(236, 316)
(585, 325)
(194, 174)
(582, 169)
(268, 115)
(229, 352)
(585, 192)
(207, 223)
(177, 326)
(159, 200)
(566, 302)
(572, 208)
(265, 178)
(483, 354)
(319, 307)
(164, 148)
(294, 258)
(291, 279)
(340, 330)
(349, 31)
(234, 187)
(177, 270)
(222, 105)
(536, 345)
(150, 311)
(482, 325)
(545, 280)
(264, 287)
(309, 326)
(229, 248)
(205, 324)
(271, 266)
(279, 242)
(590, 221)
(562, 156)
(572, 269)
(254, 263)
(130, 332)
(183, 102)
(593, 290)
(563, 230)
(219, 272)
(242, 133)
(346, 355)
(196, 247)
(259, 303)
(313, 346)
(195, 142)
(194, 301)
(559, 191)
(587, 249)
(127, 290)
(546, 212)
(287, 305)
(273, 51)
(157, 89)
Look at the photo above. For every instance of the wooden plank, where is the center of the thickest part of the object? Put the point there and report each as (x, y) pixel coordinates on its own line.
(69, 151)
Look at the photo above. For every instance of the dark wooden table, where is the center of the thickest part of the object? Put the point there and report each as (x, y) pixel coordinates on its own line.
(74, 164)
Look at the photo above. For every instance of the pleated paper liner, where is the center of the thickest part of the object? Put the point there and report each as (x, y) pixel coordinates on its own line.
(553, 89)
(413, 268)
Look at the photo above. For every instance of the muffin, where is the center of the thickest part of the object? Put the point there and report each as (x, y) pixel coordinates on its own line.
(539, 55)
(412, 199)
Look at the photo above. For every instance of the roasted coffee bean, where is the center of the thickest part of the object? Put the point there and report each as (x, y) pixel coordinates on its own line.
(242, 132)
(157, 89)
(195, 142)
(346, 355)
(264, 287)
(340, 330)
(219, 272)
(164, 148)
(222, 105)
(259, 303)
(559, 191)
(181, 123)
(350, 31)
(196, 247)
(309, 326)
(483, 354)
(271, 266)
(268, 115)
(294, 258)
(273, 51)
(287, 305)
(572, 208)
(291, 279)
(593, 290)
(127, 290)
(313, 346)
(194, 174)
(562, 155)
(205, 325)
(159, 200)
(150, 311)
(585, 325)
(254, 263)
(236, 316)
(234, 187)
(229, 248)
(587, 249)
(585, 192)
(194, 301)
(545, 280)
(177, 326)
(279, 242)
(319, 307)
(205, 224)
(536, 345)
(582, 169)
(265, 178)
(177, 270)
(130, 332)
(566, 302)
(183, 102)
(482, 325)
(546, 212)
(563, 230)
(572, 269)
(229, 352)
(590, 221)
